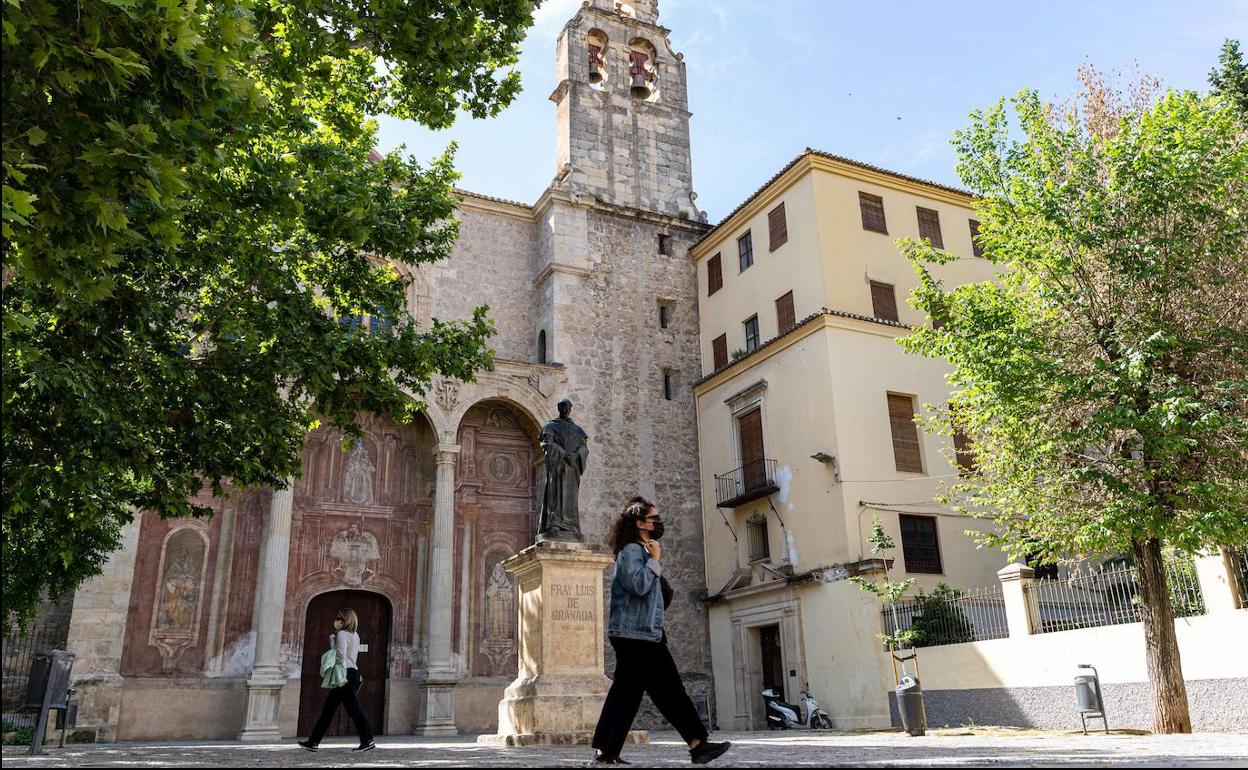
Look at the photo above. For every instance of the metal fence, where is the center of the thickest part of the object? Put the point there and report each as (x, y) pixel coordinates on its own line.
(1108, 596)
(942, 618)
(19, 653)
(1237, 562)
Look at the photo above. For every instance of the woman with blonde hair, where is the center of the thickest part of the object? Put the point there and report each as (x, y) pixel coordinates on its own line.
(346, 644)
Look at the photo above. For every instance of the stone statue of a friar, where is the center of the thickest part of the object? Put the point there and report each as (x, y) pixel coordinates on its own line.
(566, 448)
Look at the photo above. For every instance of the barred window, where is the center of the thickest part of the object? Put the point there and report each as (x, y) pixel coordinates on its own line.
(920, 545)
(756, 530)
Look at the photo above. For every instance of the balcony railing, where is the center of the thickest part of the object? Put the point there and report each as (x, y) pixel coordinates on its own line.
(751, 481)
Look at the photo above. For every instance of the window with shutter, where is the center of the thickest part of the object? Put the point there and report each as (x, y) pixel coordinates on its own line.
(884, 301)
(777, 228)
(976, 249)
(872, 213)
(920, 545)
(752, 339)
(719, 349)
(906, 451)
(929, 226)
(745, 251)
(785, 319)
(750, 434)
(714, 275)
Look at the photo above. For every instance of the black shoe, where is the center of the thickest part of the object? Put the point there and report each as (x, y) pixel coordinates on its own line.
(365, 746)
(309, 745)
(707, 751)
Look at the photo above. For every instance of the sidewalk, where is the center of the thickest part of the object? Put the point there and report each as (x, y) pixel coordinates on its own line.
(944, 748)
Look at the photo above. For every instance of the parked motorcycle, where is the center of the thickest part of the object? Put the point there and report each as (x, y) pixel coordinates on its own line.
(787, 716)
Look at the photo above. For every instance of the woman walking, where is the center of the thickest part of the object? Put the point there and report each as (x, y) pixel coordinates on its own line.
(346, 644)
(643, 663)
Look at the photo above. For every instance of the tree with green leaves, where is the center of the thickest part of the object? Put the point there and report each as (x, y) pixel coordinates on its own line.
(889, 592)
(1230, 77)
(192, 208)
(1103, 376)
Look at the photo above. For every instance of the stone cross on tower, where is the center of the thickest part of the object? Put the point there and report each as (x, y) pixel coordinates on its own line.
(623, 110)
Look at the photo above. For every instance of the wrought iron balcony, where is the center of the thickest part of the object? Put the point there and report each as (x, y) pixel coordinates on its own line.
(751, 481)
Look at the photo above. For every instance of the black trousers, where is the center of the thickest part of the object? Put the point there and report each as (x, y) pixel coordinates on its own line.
(344, 695)
(644, 667)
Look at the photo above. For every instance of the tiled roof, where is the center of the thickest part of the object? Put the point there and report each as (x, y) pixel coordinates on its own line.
(459, 191)
(810, 151)
(823, 311)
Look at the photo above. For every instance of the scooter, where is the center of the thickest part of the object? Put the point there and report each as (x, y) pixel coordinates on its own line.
(787, 716)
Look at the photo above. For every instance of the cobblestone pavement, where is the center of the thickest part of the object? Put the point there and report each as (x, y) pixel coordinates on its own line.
(945, 748)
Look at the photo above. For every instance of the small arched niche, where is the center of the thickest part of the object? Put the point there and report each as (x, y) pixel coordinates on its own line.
(643, 71)
(596, 44)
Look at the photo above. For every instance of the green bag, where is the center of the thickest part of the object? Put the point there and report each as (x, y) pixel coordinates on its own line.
(333, 673)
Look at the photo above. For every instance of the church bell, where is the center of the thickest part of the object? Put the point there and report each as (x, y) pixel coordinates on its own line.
(640, 89)
(595, 64)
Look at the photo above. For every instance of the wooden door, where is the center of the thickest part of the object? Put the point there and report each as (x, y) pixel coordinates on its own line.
(773, 659)
(374, 613)
(753, 470)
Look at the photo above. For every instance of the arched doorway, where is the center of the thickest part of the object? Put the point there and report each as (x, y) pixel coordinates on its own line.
(374, 612)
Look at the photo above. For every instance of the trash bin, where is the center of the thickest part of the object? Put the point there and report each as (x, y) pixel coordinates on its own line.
(49, 671)
(1088, 696)
(910, 706)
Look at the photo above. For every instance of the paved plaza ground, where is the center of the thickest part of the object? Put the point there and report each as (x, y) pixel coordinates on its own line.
(942, 748)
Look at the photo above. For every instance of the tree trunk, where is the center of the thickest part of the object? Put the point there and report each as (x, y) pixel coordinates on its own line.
(1161, 646)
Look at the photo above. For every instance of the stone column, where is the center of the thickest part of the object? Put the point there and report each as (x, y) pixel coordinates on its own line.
(264, 686)
(97, 632)
(1216, 583)
(437, 715)
(1015, 580)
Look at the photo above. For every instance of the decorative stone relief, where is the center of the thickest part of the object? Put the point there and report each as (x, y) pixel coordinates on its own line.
(447, 394)
(354, 549)
(357, 485)
(179, 594)
(498, 627)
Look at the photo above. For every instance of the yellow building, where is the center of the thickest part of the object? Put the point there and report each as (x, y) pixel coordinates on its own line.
(805, 430)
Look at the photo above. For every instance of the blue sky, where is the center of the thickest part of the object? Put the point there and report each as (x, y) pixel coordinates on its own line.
(885, 83)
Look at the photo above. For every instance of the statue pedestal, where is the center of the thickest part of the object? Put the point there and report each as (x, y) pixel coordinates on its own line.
(560, 686)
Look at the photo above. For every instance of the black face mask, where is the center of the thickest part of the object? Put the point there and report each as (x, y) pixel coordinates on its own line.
(657, 532)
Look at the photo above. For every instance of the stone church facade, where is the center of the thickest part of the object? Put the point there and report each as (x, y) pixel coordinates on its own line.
(211, 628)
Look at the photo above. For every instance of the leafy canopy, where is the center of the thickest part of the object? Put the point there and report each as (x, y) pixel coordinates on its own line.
(189, 208)
(1104, 375)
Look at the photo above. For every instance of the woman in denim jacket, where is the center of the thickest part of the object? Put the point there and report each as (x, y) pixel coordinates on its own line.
(643, 664)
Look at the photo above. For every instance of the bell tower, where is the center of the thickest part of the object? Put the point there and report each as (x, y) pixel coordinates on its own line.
(623, 110)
